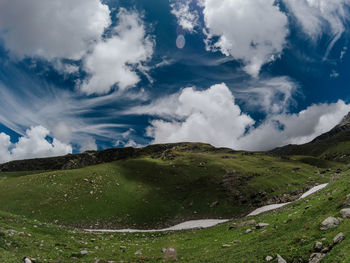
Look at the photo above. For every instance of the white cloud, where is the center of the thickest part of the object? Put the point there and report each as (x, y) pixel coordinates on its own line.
(186, 18)
(319, 17)
(33, 144)
(52, 29)
(296, 128)
(273, 95)
(253, 31)
(211, 116)
(71, 118)
(334, 74)
(88, 145)
(201, 116)
(114, 60)
(5, 143)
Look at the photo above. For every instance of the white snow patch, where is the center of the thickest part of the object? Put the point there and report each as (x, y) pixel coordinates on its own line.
(193, 224)
(267, 208)
(313, 190)
(276, 206)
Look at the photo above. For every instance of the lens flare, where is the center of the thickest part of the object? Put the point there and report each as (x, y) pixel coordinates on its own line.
(180, 42)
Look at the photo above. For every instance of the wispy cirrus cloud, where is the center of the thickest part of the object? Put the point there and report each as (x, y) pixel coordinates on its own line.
(318, 17)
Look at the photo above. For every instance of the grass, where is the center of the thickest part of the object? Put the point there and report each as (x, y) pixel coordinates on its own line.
(292, 232)
(146, 192)
(42, 213)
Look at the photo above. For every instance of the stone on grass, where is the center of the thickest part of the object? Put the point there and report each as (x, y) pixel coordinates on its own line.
(330, 222)
(318, 246)
(316, 257)
(27, 260)
(248, 231)
(268, 258)
(280, 259)
(213, 204)
(345, 213)
(338, 238)
(123, 248)
(84, 252)
(170, 254)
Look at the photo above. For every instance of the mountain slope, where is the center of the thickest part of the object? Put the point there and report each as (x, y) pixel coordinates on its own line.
(292, 232)
(333, 145)
(158, 188)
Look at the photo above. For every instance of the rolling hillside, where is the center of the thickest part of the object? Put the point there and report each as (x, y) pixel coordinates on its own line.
(154, 189)
(46, 203)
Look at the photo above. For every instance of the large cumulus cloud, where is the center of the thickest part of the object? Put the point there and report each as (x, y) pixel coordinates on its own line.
(52, 29)
(34, 144)
(253, 31)
(212, 116)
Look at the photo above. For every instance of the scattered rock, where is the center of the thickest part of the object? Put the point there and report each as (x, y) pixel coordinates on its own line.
(330, 222)
(170, 254)
(213, 204)
(84, 252)
(325, 250)
(261, 225)
(318, 246)
(123, 248)
(280, 259)
(225, 245)
(138, 252)
(249, 223)
(345, 213)
(248, 231)
(28, 260)
(268, 258)
(338, 238)
(316, 257)
(163, 250)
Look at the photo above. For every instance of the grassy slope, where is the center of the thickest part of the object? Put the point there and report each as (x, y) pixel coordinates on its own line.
(334, 147)
(149, 192)
(292, 233)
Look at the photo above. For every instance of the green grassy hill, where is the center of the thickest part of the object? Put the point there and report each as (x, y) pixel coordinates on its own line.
(189, 181)
(45, 203)
(292, 233)
(333, 145)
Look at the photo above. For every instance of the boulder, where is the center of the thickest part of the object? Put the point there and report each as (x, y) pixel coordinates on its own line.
(28, 260)
(345, 213)
(318, 246)
(170, 254)
(214, 204)
(330, 222)
(316, 257)
(268, 258)
(280, 259)
(347, 201)
(338, 238)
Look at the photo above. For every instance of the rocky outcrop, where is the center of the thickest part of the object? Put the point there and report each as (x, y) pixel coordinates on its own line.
(75, 161)
(330, 222)
(345, 213)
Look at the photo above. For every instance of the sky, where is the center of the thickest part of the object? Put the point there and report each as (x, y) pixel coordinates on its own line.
(94, 74)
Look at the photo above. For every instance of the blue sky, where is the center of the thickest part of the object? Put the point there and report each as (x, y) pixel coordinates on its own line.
(252, 75)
